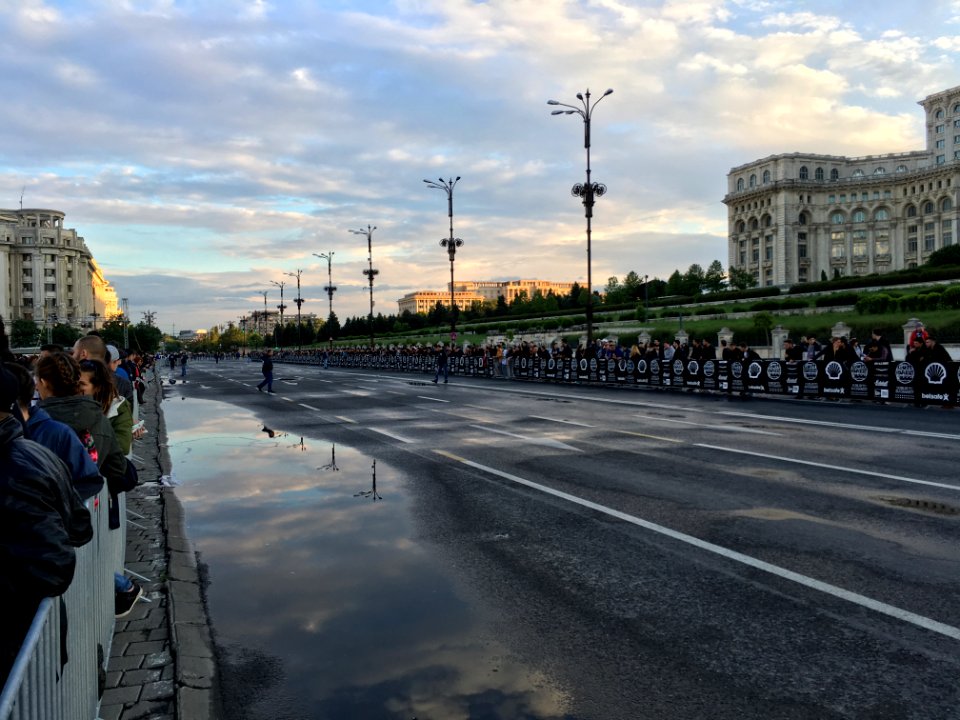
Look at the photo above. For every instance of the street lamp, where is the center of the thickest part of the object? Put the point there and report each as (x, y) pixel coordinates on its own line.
(370, 273)
(451, 244)
(330, 288)
(299, 302)
(281, 307)
(589, 190)
(266, 317)
(646, 297)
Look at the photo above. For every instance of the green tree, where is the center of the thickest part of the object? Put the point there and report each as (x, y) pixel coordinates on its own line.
(763, 322)
(146, 337)
(633, 285)
(331, 328)
(25, 333)
(949, 255)
(614, 293)
(693, 280)
(65, 335)
(740, 278)
(675, 283)
(714, 279)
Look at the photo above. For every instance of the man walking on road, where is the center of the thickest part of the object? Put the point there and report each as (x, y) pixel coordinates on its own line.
(267, 370)
(443, 365)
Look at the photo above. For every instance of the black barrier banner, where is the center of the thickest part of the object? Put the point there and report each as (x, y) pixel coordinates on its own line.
(810, 378)
(861, 380)
(938, 383)
(775, 377)
(710, 372)
(835, 380)
(641, 372)
(904, 378)
(879, 381)
(550, 372)
(693, 374)
(656, 373)
(624, 371)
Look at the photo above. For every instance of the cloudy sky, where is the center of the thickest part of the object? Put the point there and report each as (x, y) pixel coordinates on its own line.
(204, 149)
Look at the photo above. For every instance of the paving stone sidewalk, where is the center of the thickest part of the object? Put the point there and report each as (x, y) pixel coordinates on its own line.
(161, 665)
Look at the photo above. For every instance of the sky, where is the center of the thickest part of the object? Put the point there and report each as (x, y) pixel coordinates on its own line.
(205, 149)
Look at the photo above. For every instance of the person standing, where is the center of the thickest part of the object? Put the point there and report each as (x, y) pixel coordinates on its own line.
(267, 370)
(443, 364)
(183, 364)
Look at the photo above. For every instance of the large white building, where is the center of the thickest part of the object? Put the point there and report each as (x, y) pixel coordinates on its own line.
(467, 292)
(794, 218)
(48, 274)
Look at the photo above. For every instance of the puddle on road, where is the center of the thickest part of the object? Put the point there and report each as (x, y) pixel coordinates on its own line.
(322, 603)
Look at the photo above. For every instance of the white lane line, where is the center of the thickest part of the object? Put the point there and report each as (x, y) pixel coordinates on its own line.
(389, 434)
(481, 407)
(345, 419)
(322, 380)
(536, 441)
(841, 468)
(727, 428)
(309, 407)
(284, 397)
(395, 392)
(560, 420)
(837, 592)
(845, 426)
(426, 397)
(358, 393)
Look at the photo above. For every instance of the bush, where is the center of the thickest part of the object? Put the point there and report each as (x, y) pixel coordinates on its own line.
(875, 304)
(950, 300)
(837, 299)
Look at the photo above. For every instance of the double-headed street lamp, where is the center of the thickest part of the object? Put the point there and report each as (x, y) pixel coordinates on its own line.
(451, 244)
(281, 307)
(370, 272)
(330, 288)
(589, 190)
(299, 302)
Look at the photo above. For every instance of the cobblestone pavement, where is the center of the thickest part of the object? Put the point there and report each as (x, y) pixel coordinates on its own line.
(161, 665)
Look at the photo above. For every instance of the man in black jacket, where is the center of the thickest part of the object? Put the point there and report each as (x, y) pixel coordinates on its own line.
(267, 370)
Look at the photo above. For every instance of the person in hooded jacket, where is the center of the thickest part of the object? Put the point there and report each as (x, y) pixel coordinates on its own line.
(42, 521)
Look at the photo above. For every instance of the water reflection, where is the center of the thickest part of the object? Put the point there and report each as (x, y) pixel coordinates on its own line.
(325, 607)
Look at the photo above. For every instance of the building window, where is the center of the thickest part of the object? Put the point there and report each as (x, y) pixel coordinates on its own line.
(882, 242)
(837, 250)
(801, 245)
(767, 221)
(739, 184)
(766, 177)
(956, 109)
(802, 219)
(911, 210)
(804, 173)
(946, 232)
(941, 159)
(881, 214)
(858, 173)
(880, 171)
(768, 252)
(946, 204)
(832, 199)
(859, 216)
(859, 243)
(929, 237)
(834, 174)
(753, 181)
(928, 207)
(938, 115)
(940, 144)
(818, 174)
(755, 255)
(939, 129)
(50, 287)
(901, 168)
(843, 198)
(837, 218)
(864, 196)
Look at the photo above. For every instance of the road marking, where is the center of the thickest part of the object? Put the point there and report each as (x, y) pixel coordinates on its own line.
(648, 435)
(536, 441)
(284, 397)
(345, 419)
(481, 407)
(395, 392)
(390, 434)
(309, 407)
(426, 397)
(728, 428)
(560, 420)
(846, 426)
(809, 582)
(841, 468)
(326, 381)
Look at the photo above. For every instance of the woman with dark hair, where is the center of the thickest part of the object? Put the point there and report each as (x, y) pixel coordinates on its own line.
(96, 381)
(58, 382)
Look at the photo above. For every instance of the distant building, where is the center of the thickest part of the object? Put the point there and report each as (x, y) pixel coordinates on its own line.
(467, 292)
(792, 218)
(49, 273)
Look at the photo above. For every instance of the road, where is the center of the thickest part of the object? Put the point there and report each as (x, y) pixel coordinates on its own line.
(660, 554)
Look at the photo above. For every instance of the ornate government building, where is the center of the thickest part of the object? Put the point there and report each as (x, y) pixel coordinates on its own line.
(794, 218)
(48, 273)
(467, 292)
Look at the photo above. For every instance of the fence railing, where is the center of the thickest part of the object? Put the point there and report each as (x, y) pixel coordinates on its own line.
(45, 683)
(933, 383)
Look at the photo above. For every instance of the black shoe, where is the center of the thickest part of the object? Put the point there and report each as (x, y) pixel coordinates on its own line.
(434, 381)
(259, 389)
(123, 602)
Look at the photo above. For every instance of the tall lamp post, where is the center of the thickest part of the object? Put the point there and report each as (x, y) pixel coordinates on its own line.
(589, 190)
(266, 318)
(370, 273)
(330, 288)
(646, 296)
(450, 243)
(299, 302)
(281, 307)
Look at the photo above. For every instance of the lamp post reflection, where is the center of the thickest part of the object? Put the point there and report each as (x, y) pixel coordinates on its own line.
(332, 465)
(372, 493)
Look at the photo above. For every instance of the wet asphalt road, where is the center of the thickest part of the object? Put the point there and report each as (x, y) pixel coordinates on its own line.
(638, 554)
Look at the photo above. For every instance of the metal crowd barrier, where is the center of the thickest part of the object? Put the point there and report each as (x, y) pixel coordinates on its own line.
(43, 683)
(897, 381)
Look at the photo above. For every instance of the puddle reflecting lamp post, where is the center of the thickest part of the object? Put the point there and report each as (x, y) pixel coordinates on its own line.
(370, 272)
(299, 302)
(281, 307)
(587, 191)
(451, 244)
(329, 288)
